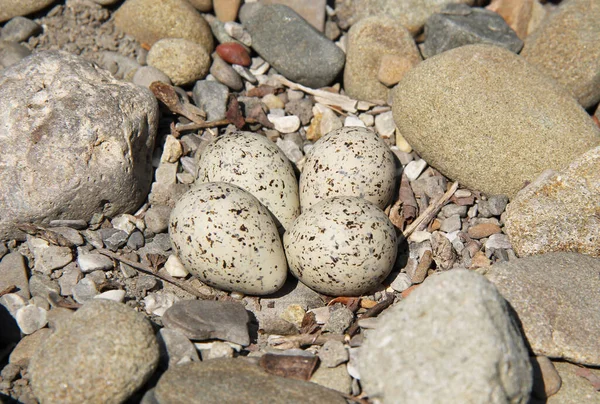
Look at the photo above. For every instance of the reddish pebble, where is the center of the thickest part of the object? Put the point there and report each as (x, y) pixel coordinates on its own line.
(234, 53)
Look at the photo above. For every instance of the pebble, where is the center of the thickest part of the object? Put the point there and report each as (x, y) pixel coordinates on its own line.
(121, 67)
(116, 295)
(146, 75)
(203, 319)
(574, 388)
(332, 354)
(237, 31)
(31, 318)
(285, 124)
(20, 29)
(334, 378)
(302, 108)
(493, 206)
(498, 241)
(11, 53)
(533, 286)
(94, 262)
(477, 343)
(70, 234)
(10, 9)
(25, 349)
(158, 304)
(149, 21)
(114, 239)
(13, 271)
(236, 380)
(226, 10)
(546, 379)
(568, 52)
(448, 138)
(73, 224)
(368, 41)
(157, 218)
(124, 223)
(172, 151)
(339, 320)
(66, 370)
(303, 54)
(401, 282)
(175, 268)
(42, 285)
(450, 224)
(414, 169)
(69, 278)
(312, 11)
(225, 74)
(84, 290)
(233, 53)
(483, 230)
(384, 123)
(557, 212)
(12, 303)
(353, 121)
(273, 102)
(135, 240)
(460, 25)
(217, 350)
(176, 348)
(184, 61)
(453, 209)
(51, 258)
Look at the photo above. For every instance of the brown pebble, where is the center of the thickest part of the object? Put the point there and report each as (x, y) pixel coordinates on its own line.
(422, 268)
(234, 53)
(546, 380)
(479, 260)
(482, 230)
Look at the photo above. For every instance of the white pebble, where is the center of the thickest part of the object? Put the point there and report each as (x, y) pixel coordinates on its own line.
(414, 169)
(401, 282)
(94, 262)
(117, 295)
(385, 125)
(157, 304)
(31, 318)
(12, 302)
(402, 144)
(172, 150)
(354, 121)
(367, 119)
(419, 236)
(123, 223)
(175, 268)
(286, 124)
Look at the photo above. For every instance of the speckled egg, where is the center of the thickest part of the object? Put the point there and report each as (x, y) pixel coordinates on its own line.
(342, 246)
(254, 163)
(227, 238)
(350, 161)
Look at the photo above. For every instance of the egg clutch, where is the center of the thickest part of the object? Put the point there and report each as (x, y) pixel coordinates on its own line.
(228, 228)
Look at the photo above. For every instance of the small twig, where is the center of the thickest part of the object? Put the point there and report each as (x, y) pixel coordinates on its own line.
(307, 339)
(431, 211)
(372, 312)
(148, 271)
(205, 125)
(46, 234)
(8, 289)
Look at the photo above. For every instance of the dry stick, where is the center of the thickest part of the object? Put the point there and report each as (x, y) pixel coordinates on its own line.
(372, 312)
(431, 211)
(194, 126)
(308, 339)
(147, 270)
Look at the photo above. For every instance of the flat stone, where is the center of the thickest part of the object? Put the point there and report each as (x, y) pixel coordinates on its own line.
(77, 224)
(71, 176)
(184, 61)
(20, 29)
(116, 240)
(175, 268)
(136, 240)
(116, 295)
(336, 378)
(450, 224)
(493, 206)
(94, 262)
(51, 258)
(149, 21)
(12, 53)
(70, 234)
(401, 282)
(565, 47)
(285, 124)
(333, 353)
(414, 169)
(339, 320)
(555, 297)
(224, 73)
(302, 108)
(236, 380)
(27, 347)
(204, 319)
(211, 97)
(84, 291)
(483, 230)
(69, 278)
(557, 212)
(353, 121)
(449, 29)
(385, 125)
(476, 343)
(66, 369)
(157, 218)
(10, 9)
(368, 42)
(574, 389)
(31, 318)
(498, 241)
(303, 54)
(175, 348)
(493, 150)
(159, 303)
(13, 271)
(42, 285)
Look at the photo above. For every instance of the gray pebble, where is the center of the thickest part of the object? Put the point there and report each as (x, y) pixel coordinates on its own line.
(31, 318)
(20, 29)
(77, 224)
(52, 258)
(494, 206)
(333, 353)
(70, 234)
(145, 284)
(245, 73)
(496, 241)
(157, 218)
(116, 240)
(41, 285)
(339, 320)
(146, 75)
(211, 96)
(454, 209)
(13, 271)
(301, 108)
(11, 53)
(94, 262)
(94, 238)
(453, 223)
(84, 291)
(224, 73)
(69, 278)
(175, 348)
(135, 240)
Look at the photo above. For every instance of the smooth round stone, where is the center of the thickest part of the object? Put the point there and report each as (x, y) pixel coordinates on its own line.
(181, 60)
(201, 5)
(31, 318)
(103, 354)
(234, 53)
(495, 134)
(149, 21)
(146, 75)
(11, 8)
(11, 53)
(566, 48)
(20, 29)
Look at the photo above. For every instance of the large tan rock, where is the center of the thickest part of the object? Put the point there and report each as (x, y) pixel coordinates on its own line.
(371, 42)
(559, 211)
(12, 8)
(150, 20)
(566, 47)
(485, 117)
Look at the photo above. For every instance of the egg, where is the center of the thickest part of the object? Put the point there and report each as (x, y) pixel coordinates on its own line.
(342, 246)
(254, 163)
(228, 239)
(351, 161)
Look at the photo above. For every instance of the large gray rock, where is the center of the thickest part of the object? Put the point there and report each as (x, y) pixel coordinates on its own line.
(11, 8)
(558, 211)
(236, 381)
(566, 48)
(103, 354)
(149, 21)
(496, 122)
(74, 141)
(291, 45)
(453, 331)
(460, 25)
(556, 297)
(412, 14)
(371, 42)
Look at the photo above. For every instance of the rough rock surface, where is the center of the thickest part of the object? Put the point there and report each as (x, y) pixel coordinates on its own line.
(575, 389)
(498, 122)
(558, 211)
(236, 380)
(369, 41)
(303, 54)
(471, 341)
(149, 20)
(11, 8)
(555, 296)
(74, 141)
(102, 355)
(566, 48)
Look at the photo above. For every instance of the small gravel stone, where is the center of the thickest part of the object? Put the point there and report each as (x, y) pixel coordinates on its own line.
(224, 73)
(31, 318)
(159, 303)
(117, 240)
(70, 234)
(302, 108)
(13, 271)
(77, 224)
(339, 320)
(217, 349)
(175, 348)
(116, 295)
(483, 230)
(273, 102)
(333, 353)
(42, 285)
(454, 209)
(546, 380)
(245, 73)
(414, 169)
(354, 121)
(135, 240)
(146, 75)
(20, 29)
(12, 302)
(52, 258)
(175, 268)
(401, 282)
(453, 223)
(94, 262)
(497, 241)
(84, 290)
(211, 96)
(384, 123)
(69, 278)
(286, 124)
(336, 378)
(493, 206)
(157, 218)
(123, 223)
